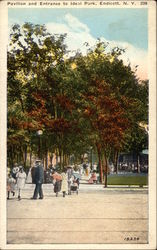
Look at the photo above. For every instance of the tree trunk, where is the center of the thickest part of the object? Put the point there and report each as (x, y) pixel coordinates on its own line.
(12, 157)
(105, 171)
(66, 159)
(57, 154)
(25, 155)
(46, 155)
(63, 163)
(21, 155)
(116, 162)
(138, 164)
(51, 158)
(30, 160)
(46, 159)
(39, 147)
(100, 165)
(16, 155)
(61, 158)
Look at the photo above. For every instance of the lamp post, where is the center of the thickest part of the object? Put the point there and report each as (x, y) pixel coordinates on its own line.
(39, 133)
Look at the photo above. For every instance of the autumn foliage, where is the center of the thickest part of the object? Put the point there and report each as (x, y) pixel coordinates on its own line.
(91, 104)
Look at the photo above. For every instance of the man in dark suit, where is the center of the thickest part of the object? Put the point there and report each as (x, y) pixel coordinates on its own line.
(38, 180)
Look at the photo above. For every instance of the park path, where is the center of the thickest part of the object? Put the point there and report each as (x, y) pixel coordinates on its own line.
(95, 215)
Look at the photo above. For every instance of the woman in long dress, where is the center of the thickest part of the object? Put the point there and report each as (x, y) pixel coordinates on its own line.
(21, 179)
(64, 186)
(57, 179)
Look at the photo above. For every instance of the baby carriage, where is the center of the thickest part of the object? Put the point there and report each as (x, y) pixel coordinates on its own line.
(74, 186)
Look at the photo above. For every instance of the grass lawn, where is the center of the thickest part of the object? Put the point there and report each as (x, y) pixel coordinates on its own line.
(140, 180)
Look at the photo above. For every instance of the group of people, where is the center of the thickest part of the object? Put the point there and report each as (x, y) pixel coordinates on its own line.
(62, 182)
(16, 178)
(87, 168)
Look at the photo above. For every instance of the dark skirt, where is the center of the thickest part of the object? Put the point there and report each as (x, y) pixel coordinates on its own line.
(57, 186)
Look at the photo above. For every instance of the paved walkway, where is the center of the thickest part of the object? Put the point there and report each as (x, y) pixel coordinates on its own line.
(95, 215)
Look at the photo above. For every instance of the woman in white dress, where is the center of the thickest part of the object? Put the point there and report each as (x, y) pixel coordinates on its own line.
(21, 179)
(64, 185)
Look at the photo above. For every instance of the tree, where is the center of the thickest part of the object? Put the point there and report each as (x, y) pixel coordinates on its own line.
(31, 56)
(42, 81)
(109, 100)
(78, 102)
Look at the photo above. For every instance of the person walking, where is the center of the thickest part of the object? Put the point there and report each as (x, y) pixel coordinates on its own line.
(33, 174)
(57, 180)
(38, 179)
(11, 182)
(20, 181)
(69, 176)
(64, 186)
(15, 170)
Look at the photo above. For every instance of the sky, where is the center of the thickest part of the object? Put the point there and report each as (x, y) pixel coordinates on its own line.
(125, 28)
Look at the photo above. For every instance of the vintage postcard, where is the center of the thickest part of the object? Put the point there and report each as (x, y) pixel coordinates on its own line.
(78, 124)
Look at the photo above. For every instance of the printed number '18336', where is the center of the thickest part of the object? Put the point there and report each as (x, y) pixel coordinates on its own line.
(131, 238)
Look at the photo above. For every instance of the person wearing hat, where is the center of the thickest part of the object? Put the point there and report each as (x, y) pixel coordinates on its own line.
(69, 175)
(57, 180)
(20, 181)
(15, 170)
(11, 182)
(38, 180)
(64, 186)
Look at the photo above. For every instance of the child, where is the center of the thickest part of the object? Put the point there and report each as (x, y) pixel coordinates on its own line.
(10, 185)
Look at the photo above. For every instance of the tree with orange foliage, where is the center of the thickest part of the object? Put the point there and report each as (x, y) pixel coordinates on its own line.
(109, 100)
(78, 102)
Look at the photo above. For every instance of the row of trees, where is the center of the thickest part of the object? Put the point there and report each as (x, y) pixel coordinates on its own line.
(78, 101)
